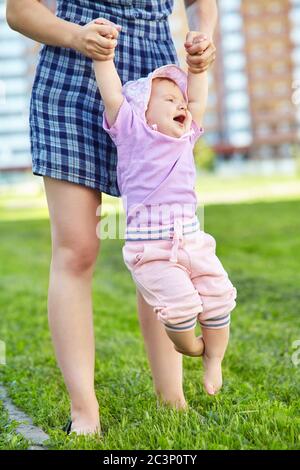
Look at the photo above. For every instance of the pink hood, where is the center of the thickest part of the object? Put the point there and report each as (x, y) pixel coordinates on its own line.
(138, 92)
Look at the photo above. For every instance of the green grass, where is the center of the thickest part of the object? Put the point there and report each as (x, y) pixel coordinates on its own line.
(258, 407)
(19, 204)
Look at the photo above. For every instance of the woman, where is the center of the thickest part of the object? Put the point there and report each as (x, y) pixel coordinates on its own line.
(78, 161)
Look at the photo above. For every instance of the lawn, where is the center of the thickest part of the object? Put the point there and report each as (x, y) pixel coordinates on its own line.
(258, 407)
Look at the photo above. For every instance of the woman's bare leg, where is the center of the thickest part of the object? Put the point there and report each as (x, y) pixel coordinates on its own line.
(75, 246)
(165, 361)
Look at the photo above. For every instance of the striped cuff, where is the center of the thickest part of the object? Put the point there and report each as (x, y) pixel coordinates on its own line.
(185, 325)
(163, 232)
(217, 322)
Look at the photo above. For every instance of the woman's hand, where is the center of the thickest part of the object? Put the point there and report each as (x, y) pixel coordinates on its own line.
(201, 51)
(97, 39)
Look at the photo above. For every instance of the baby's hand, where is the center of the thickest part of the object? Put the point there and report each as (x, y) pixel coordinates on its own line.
(113, 43)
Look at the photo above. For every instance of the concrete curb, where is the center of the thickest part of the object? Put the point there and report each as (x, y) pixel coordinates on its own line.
(26, 428)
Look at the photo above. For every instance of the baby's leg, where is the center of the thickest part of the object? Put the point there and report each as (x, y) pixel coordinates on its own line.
(186, 342)
(218, 298)
(216, 341)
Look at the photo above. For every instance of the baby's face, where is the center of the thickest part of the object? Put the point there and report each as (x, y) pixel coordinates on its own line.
(167, 108)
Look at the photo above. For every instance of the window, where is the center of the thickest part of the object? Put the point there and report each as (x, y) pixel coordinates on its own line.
(252, 8)
(235, 81)
(274, 6)
(233, 42)
(240, 138)
(231, 22)
(260, 89)
(239, 120)
(234, 61)
(229, 5)
(237, 101)
(258, 72)
(263, 130)
(278, 67)
(281, 88)
(276, 27)
(283, 127)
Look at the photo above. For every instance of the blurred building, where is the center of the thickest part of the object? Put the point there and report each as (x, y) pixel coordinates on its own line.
(250, 112)
(18, 56)
(14, 96)
(258, 60)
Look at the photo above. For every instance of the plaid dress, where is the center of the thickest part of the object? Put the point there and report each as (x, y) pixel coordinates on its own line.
(67, 138)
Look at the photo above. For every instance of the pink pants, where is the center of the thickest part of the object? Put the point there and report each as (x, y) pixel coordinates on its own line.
(182, 279)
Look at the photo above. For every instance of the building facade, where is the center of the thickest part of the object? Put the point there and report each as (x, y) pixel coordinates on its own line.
(258, 63)
(14, 96)
(250, 111)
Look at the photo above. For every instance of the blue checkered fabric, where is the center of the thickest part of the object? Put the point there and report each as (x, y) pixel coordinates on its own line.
(67, 138)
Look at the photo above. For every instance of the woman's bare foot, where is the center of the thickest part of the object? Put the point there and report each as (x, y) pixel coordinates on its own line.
(196, 350)
(212, 374)
(86, 419)
(83, 428)
(180, 404)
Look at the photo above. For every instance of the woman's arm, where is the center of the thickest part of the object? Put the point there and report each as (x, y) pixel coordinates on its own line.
(202, 55)
(208, 15)
(32, 19)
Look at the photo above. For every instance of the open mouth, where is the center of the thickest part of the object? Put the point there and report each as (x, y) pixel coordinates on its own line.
(180, 119)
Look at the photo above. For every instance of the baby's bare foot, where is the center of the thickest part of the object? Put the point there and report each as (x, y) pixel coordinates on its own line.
(195, 351)
(212, 374)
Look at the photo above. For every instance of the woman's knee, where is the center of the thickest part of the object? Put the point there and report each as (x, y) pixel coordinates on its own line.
(75, 257)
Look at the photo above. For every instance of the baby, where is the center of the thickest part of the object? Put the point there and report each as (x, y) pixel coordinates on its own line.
(154, 122)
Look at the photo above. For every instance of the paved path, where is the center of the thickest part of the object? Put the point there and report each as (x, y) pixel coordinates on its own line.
(26, 428)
